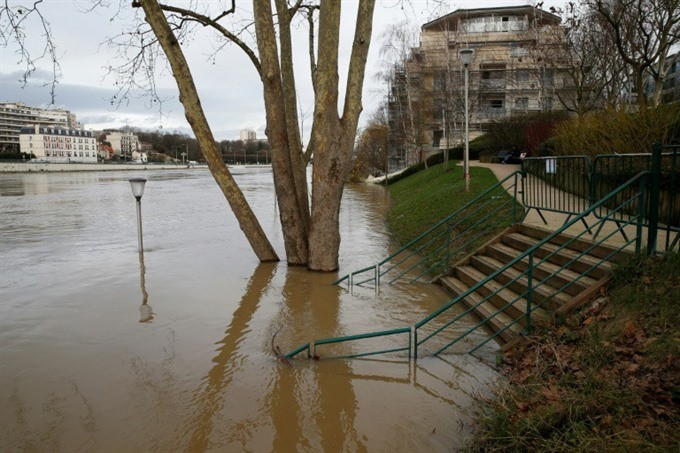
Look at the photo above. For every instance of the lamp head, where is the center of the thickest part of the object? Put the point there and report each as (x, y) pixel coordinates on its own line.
(466, 56)
(137, 185)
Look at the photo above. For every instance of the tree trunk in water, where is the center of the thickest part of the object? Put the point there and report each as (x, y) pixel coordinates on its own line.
(333, 137)
(290, 185)
(332, 163)
(196, 118)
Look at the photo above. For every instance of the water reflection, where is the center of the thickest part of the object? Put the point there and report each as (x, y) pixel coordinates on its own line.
(208, 400)
(145, 310)
(322, 399)
(202, 374)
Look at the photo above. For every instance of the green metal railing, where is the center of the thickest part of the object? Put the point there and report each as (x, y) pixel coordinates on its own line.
(434, 326)
(450, 239)
(570, 184)
(557, 184)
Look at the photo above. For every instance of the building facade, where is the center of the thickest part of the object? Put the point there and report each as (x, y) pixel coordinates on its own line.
(515, 68)
(123, 143)
(248, 135)
(58, 144)
(671, 85)
(16, 116)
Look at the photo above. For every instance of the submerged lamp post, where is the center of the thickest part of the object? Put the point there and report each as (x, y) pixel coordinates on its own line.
(466, 59)
(138, 190)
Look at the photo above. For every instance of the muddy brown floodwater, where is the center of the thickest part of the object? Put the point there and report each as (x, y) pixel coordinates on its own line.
(102, 349)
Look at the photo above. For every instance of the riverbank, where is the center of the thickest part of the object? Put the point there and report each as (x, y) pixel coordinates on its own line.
(605, 378)
(37, 167)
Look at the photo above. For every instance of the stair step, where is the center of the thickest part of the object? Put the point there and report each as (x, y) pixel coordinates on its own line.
(594, 266)
(484, 311)
(564, 279)
(502, 298)
(581, 244)
(518, 282)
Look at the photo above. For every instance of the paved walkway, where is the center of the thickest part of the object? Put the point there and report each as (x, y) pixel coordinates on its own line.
(555, 219)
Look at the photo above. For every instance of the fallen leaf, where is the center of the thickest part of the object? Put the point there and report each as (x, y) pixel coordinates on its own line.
(552, 393)
(628, 329)
(522, 406)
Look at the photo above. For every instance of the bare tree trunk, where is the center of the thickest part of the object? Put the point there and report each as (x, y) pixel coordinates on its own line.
(199, 124)
(334, 137)
(289, 178)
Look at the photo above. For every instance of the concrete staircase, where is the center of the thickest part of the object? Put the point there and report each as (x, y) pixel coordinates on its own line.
(554, 295)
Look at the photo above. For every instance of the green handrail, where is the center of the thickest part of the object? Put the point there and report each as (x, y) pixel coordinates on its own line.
(526, 253)
(414, 343)
(451, 221)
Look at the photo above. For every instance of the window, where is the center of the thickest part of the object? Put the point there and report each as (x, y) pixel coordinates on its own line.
(547, 77)
(547, 104)
(436, 138)
(496, 104)
(522, 103)
(439, 81)
(522, 75)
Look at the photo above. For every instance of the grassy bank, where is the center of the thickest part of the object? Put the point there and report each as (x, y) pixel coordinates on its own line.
(424, 198)
(606, 378)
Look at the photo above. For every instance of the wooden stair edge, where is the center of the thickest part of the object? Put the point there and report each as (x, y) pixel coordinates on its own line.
(576, 302)
(584, 297)
(582, 242)
(497, 238)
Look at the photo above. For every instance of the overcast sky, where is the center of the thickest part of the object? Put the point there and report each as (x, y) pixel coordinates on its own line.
(230, 89)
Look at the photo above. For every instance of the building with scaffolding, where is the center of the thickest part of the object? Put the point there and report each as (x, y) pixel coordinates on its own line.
(516, 68)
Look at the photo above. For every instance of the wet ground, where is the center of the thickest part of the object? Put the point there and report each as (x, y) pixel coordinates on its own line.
(102, 349)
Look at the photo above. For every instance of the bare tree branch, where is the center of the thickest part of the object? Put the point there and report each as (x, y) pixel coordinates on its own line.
(14, 21)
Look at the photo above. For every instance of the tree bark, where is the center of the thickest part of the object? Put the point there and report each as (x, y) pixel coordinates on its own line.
(294, 213)
(199, 124)
(333, 137)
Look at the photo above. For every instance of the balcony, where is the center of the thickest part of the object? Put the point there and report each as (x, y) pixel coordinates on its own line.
(493, 84)
(492, 112)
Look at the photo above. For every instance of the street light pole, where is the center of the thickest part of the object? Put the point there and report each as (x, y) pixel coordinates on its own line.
(137, 185)
(466, 58)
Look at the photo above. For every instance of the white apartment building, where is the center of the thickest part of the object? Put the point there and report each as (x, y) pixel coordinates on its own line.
(14, 116)
(124, 143)
(58, 144)
(248, 135)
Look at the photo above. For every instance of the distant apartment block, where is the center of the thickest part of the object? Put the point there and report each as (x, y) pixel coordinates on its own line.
(15, 116)
(58, 144)
(248, 135)
(513, 70)
(124, 143)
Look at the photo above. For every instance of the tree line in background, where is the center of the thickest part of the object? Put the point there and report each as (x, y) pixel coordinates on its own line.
(173, 144)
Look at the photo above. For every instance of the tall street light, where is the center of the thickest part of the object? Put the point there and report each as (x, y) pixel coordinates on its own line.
(466, 58)
(138, 190)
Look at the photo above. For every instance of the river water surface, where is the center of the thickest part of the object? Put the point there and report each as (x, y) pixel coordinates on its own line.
(104, 349)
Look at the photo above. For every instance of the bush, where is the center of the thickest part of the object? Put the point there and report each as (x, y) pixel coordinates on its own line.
(547, 147)
(617, 131)
(526, 131)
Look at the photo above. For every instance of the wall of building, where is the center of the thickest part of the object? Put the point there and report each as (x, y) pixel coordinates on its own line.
(28, 167)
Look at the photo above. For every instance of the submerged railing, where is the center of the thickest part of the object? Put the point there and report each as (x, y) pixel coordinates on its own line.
(450, 239)
(434, 326)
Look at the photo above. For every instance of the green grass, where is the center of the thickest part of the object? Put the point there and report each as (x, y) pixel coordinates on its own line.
(606, 378)
(422, 199)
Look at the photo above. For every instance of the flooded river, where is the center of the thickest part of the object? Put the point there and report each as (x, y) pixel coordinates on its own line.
(102, 349)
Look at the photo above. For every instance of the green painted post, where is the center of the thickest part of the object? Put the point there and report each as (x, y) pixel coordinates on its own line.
(514, 204)
(642, 196)
(530, 283)
(655, 186)
(415, 342)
